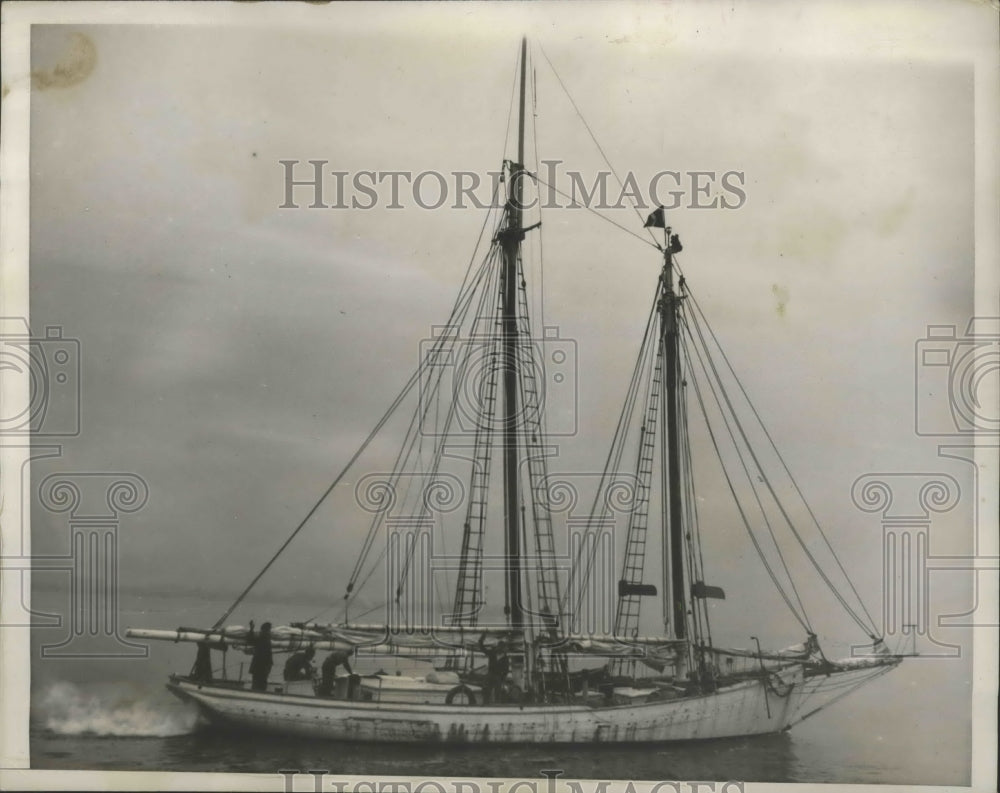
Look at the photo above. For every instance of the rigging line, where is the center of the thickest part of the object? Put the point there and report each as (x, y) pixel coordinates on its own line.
(469, 572)
(781, 507)
(487, 270)
(873, 633)
(639, 516)
(791, 478)
(434, 524)
(415, 421)
(486, 273)
(375, 565)
(749, 477)
(541, 228)
(483, 442)
(694, 505)
(610, 464)
(531, 433)
(614, 455)
(510, 108)
(540, 414)
(746, 469)
(739, 505)
(442, 534)
(336, 481)
(594, 211)
(648, 376)
(450, 417)
(414, 378)
(667, 601)
(529, 605)
(616, 450)
(466, 293)
(825, 685)
(849, 690)
(439, 450)
(366, 612)
(762, 476)
(700, 610)
(437, 525)
(594, 138)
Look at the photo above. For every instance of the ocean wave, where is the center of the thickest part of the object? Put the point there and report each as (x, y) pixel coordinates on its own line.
(68, 709)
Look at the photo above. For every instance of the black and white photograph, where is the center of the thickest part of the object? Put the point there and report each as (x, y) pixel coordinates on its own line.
(481, 397)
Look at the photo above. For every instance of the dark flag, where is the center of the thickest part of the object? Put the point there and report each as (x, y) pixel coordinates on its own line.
(675, 244)
(656, 219)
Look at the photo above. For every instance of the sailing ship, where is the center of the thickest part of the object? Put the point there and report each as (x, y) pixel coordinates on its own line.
(543, 671)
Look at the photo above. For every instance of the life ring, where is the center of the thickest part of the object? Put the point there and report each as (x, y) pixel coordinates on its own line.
(464, 694)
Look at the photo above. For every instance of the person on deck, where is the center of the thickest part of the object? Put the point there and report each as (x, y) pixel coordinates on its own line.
(329, 669)
(262, 661)
(497, 667)
(299, 666)
(202, 671)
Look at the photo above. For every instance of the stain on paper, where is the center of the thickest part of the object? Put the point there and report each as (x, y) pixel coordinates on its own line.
(781, 298)
(74, 66)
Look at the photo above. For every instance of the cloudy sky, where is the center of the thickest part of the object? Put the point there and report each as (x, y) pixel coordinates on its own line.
(234, 353)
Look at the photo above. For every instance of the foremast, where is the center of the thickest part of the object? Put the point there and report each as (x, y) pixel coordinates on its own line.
(675, 596)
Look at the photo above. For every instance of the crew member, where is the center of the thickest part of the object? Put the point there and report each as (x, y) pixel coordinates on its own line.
(299, 666)
(329, 669)
(202, 671)
(262, 661)
(497, 667)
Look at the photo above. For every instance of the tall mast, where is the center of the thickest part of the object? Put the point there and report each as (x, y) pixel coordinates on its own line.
(512, 236)
(674, 535)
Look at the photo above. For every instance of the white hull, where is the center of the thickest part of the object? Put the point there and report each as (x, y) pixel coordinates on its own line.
(746, 708)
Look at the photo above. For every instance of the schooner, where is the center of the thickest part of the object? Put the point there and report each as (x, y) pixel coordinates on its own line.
(539, 674)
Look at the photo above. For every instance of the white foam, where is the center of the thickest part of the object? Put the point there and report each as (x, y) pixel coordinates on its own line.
(69, 709)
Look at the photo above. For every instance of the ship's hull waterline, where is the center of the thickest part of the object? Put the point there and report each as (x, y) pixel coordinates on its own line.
(750, 707)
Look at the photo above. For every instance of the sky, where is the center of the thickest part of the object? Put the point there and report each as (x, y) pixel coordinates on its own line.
(234, 353)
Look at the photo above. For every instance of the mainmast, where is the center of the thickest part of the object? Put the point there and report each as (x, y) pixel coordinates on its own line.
(674, 529)
(512, 236)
